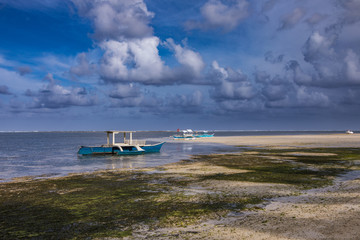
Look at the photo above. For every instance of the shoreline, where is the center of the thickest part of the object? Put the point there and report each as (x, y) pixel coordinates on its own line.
(333, 140)
(236, 201)
(278, 141)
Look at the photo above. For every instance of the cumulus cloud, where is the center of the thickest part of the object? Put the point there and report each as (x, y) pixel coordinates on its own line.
(219, 74)
(117, 19)
(319, 47)
(135, 60)
(53, 96)
(229, 88)
(335, 63)
(219, 15)
(186, 57)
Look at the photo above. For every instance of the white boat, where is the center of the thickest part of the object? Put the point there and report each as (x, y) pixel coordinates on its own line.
(349, 132)
(187, 134)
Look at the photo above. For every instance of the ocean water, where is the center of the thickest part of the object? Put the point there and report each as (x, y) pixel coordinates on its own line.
(49, 154)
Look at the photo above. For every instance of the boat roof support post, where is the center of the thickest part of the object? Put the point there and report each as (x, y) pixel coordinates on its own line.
(124, 137)
(107, 136)
(130, 137)
(113, 138)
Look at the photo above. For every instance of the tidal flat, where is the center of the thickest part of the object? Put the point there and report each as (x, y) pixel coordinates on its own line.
(174, 201)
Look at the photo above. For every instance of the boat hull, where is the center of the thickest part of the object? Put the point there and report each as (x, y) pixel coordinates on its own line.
(116, 151)
(184, 137)
(204, 135)
(109, 151)
(152, 148)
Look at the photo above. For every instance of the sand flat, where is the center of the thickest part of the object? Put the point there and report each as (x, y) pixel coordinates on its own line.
(332, 212)
(278, 141)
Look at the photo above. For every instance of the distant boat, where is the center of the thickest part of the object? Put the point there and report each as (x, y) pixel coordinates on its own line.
(349, 132)
(187, 134)
(203, 134)
(128, 147)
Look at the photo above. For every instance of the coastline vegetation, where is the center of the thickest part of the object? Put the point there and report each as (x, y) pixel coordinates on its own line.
(116, 203)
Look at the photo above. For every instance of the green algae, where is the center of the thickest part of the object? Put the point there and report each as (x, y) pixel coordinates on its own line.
(284, 167)
(106, 205)
(114, 203)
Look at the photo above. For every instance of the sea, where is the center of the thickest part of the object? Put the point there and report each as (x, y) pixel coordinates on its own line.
(53, 154)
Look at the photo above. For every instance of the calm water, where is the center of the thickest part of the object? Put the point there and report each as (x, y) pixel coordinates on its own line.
(55, 153)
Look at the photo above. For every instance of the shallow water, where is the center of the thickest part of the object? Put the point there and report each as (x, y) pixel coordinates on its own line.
(55, 153)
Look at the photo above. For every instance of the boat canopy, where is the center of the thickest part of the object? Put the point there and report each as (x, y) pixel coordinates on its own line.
(117, 132)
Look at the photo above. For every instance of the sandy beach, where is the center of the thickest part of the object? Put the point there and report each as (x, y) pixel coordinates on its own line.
(324, 140)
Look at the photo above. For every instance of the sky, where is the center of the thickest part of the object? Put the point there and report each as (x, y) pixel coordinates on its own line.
(169, 64)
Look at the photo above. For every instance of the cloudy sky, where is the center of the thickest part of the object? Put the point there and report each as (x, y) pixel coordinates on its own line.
(168, 64)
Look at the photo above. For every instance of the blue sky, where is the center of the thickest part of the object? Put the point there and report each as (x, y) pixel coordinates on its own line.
(166, 64)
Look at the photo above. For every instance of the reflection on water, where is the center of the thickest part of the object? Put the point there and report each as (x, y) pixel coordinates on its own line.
(55, 153)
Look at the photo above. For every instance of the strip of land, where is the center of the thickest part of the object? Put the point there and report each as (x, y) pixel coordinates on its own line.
(275, 187)
(281, 141)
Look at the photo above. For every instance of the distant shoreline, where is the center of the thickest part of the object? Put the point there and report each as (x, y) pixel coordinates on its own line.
(282, 141)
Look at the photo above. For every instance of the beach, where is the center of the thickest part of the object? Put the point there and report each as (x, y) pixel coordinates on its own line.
(274, 187)
(280, 141)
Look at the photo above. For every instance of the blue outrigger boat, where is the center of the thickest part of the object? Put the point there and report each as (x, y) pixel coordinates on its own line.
(189, 134)
(128, 147)
(203, 134)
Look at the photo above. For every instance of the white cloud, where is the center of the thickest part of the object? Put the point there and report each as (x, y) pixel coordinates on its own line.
(188, 58)
(134, 60)
(230, 84)
(117, 19)
(216, 14)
